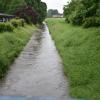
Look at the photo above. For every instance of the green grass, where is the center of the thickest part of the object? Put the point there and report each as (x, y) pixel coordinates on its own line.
(11, 43)
(80, 52)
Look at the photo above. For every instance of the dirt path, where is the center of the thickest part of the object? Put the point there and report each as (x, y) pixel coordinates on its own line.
(37, 71)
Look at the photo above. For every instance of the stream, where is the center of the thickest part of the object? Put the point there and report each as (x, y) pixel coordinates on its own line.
(38, 71)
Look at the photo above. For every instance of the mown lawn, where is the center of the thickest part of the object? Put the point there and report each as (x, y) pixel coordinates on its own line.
(11, 43)
(80, 52)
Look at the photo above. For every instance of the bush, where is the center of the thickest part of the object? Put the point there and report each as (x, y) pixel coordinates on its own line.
(6, 27)
(88, 22)
(9, 27)
(17, 22)
(2, 26)
(14, 22)
(67, 20)
(91, 21)
(97, 21)
(22, 22)
(75, 18)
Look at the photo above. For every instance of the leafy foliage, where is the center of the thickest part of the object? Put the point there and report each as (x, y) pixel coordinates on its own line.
(6, 27)
(79, 10)
(52, 12)
(40, 7)
(32, 10)
(28, 14)
(17, 22)
(9, 26)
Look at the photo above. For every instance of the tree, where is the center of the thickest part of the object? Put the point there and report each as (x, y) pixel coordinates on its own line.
(36, 7)
(52, 12)
(40, 7)
(15, 5)
(4, 5)
(42, 12)
(78, 11)
(28, 14)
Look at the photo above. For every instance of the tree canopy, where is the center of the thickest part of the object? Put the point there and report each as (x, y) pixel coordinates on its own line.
(52, 12)
(23, 7)
(83, 12)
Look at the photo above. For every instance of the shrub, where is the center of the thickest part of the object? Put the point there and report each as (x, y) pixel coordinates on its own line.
(88, 22)
(14, 22)
(9, 27)
(6, 27)
(17, 22)
(75, 18)
(97, 21)
(67, 20)
(2, 26)
(22, 22)
(91, 21)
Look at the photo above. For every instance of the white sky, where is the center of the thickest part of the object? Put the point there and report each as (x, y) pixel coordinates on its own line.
(56, 4)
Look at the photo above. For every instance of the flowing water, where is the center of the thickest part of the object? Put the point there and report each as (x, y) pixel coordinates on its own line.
(38, 70)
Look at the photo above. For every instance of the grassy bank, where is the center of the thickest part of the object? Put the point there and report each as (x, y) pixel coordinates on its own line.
(11, 43)
(80, 52)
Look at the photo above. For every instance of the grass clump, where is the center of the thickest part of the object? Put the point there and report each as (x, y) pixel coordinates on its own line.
(11, 43)
(6, 27)
(10, 25)
(80, 52)
(17, 22)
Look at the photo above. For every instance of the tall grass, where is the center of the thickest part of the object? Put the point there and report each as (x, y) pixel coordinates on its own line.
(11, 43)
(80, 52)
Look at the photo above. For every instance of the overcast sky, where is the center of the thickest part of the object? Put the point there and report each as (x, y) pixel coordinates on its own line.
(56, 4)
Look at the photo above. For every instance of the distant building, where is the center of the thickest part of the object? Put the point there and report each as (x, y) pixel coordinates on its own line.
(5, 17)
(58, 16)
(54, 13)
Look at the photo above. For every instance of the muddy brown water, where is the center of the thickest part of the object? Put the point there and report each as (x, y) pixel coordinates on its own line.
(38, 70)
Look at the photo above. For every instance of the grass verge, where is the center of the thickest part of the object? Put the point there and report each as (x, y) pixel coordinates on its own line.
(80, 52)
(11, 43)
